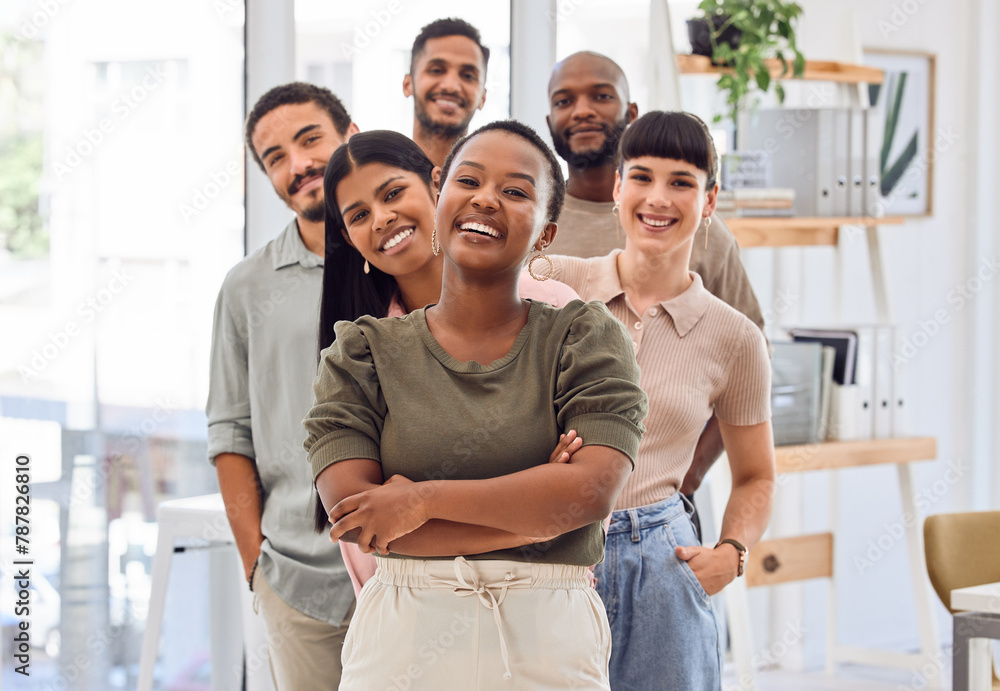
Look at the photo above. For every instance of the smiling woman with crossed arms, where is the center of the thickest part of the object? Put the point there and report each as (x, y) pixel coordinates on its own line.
(477, 388)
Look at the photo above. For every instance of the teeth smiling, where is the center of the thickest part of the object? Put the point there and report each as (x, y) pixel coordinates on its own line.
(655, 222)
(397, 238)
(481, 228)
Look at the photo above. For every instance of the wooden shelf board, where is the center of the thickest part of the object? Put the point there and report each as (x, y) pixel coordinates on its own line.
(850, 454)
(815, 70)
(783, 231)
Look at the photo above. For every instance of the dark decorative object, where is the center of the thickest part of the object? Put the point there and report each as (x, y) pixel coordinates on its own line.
(701, 37)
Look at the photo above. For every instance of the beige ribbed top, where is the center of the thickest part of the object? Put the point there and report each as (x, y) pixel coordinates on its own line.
(696, 355)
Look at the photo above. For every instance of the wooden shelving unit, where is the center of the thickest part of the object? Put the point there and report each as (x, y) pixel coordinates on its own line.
(783, 231)
(851, 454)
(815, 70)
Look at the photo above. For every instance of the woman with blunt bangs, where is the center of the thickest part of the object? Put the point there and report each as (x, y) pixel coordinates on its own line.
(380, 197)
(431, 444)
(698, 356)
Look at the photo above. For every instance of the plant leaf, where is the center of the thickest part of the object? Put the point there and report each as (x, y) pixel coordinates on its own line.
(800, 64)
(763, 77)
(892, 119)
(891, 177)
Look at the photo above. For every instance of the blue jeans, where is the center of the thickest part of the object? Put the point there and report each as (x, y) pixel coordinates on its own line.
(664, 634)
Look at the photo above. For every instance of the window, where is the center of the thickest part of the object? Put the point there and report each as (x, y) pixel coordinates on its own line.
(120, 214)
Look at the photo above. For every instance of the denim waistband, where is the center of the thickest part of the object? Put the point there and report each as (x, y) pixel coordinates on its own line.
(639, 517)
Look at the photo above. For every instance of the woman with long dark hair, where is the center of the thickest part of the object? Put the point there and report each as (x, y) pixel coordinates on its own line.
(430, 443)
(698, 356)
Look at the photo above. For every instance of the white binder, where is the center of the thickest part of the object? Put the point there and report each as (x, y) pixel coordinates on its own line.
(874, 135)
(900, 400)
(884, 396)
(856, 193)
(864, 380)
(841, 143)
(843, 413)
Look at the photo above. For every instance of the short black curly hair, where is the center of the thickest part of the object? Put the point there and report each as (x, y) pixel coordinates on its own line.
(558, 183)
(295, 92)
(451, 26)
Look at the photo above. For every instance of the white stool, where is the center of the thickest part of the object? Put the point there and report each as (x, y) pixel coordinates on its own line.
(204, 518)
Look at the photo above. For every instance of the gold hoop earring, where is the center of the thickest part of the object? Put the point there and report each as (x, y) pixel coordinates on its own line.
(552, 267)
(708, 222)
(435, 245)
(366, 268)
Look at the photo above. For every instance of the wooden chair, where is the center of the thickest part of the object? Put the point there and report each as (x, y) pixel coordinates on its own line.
(961, 551)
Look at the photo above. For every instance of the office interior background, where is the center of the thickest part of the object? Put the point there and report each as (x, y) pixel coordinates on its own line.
(125, 197)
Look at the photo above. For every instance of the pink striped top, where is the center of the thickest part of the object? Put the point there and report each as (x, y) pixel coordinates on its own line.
(697, 355)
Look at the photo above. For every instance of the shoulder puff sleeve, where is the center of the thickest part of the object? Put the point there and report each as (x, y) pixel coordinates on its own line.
(746, 397)
(597, 385)
(348, 409)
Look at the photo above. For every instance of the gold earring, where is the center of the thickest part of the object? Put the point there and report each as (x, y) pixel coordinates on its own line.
(366, 268)
(708, 222)
(552, 267)
(616, 212)
(435, 245)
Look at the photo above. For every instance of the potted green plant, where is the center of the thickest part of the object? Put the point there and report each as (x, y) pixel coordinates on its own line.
(742, 35)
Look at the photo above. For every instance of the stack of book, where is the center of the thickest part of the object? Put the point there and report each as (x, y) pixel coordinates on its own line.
(756, 201)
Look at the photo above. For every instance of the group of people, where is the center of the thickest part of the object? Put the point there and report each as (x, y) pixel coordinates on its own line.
(503, 440)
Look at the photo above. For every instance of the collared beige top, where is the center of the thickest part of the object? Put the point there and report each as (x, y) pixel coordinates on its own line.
(696, 354)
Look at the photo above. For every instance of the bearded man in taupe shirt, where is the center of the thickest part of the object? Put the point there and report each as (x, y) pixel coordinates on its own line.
(589, 110)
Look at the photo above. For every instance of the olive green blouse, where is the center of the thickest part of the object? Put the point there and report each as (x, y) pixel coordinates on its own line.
(387, 391)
